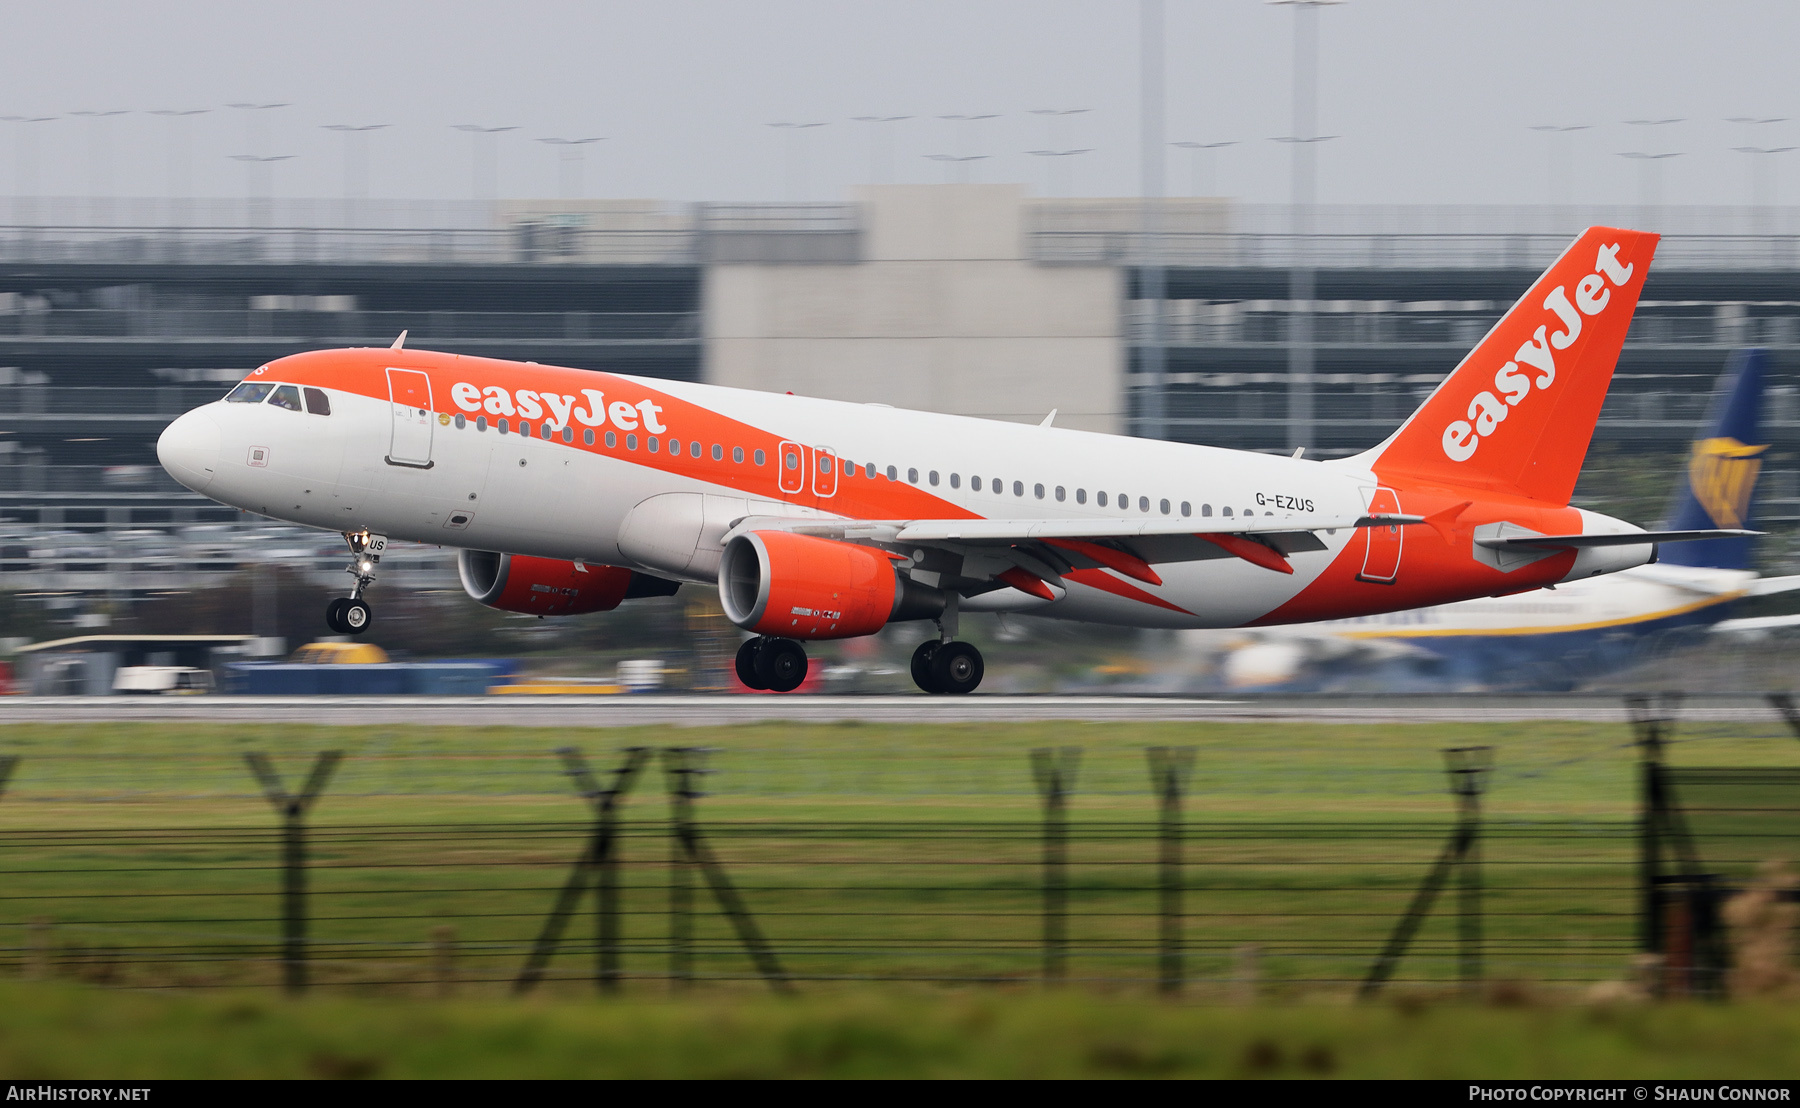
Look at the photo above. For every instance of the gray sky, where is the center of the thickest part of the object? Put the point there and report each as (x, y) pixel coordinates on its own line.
(1432, 98)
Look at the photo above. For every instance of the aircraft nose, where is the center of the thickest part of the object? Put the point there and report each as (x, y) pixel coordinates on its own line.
(189, 449)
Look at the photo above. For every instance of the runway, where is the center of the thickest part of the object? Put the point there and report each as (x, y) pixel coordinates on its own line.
(705, 711)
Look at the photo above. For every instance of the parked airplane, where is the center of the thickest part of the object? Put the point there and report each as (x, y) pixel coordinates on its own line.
(1554, 639)
(571, 491)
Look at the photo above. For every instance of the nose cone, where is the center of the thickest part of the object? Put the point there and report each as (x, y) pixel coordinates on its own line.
(189, 449)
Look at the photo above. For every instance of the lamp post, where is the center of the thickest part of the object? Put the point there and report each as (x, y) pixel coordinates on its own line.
(570, 165)
(1152, 277)
(1559, 165)
(797, 184)
(1650, 183)
(25, 166)
(964, 143)
(99, 163)
(180, 152)
(961, 166)
(484, 154)
(881, 145)
(356, 163)
(1053, 160)
(1762, 184)
(1301, 278)
(1200, 151)
(259, 184)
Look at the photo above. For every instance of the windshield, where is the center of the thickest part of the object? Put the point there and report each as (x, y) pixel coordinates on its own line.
(250, 392)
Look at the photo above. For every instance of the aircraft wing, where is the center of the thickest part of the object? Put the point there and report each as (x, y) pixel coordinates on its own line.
(1771, 586)
(1045, 549)
(1753, 624)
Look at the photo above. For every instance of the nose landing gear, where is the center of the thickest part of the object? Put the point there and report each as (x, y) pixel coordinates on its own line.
(768, 663)
(351, 615)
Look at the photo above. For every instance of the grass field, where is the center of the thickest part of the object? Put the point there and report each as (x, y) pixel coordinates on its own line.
(65, 1031)
(144, 856)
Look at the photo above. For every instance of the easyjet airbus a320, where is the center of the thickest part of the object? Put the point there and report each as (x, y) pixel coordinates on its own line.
(571, 491)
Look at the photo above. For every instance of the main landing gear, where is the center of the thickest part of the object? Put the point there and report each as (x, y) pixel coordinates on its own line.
(947, 667)
(943, 665)
(771, 664)
(351, 615)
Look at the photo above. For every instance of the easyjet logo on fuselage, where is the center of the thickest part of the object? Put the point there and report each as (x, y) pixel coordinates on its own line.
(1488, 410)
(591, 410)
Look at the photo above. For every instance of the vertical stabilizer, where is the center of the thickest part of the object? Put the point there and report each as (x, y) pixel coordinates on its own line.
(1517, 415)
(1718, 486)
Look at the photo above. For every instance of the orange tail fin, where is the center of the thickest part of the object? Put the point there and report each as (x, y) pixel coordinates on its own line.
(1517, 415)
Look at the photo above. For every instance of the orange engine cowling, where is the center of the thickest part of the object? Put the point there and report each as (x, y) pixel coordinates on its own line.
(803, 587)
(549, 587)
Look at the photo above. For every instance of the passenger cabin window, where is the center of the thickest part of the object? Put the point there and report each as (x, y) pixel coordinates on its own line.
(893, 474)
(1100, 499)
(501, 424)
(631, 442)
(1144, 504)
(912, 476)
(286, 396)
(719, 453)
(612, 439)
(569, 434)
(869, 471)
(1081, 496)
(587, 437)
(654, 443)
(1165, 508)
(1019, 489)
(956, 480)
(250, 392)
(737, 455)
(481, 423)
(974, 482)
(1226, 512)
(319, 404)
(790, 459)
(760, 457)
(1038, 491)
(461, 421)
(932, 476)
(1206, 511)
(1187, 509)
(1061, 493)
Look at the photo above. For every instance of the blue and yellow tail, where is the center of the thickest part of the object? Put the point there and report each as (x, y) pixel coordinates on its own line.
(1718, 489)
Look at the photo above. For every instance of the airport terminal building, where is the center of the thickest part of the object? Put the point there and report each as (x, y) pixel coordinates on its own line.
(974, 299)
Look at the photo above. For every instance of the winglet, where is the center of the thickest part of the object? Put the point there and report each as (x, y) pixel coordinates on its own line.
(1049, 419)
(399, 343)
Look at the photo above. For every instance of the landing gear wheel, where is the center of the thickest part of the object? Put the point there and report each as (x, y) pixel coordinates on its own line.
(334, 616)
(781, 664)
(921, 665)
(746, 664)
(355, 616)
(957, 668)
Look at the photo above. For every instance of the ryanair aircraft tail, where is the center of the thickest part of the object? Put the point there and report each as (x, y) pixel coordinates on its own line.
(1516, 416)
(1719, 486)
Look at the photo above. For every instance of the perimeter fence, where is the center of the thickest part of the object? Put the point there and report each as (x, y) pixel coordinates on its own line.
(1146, 889)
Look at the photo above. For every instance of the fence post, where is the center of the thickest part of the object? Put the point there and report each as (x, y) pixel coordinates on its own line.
(1054, 771)
(598, 864)
(1468, 774)
(1468, 767)
(680, 767)
(293, 808)
(1169, 770)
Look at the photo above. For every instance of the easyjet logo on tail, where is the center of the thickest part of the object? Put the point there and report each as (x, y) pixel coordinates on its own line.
(1488, 410)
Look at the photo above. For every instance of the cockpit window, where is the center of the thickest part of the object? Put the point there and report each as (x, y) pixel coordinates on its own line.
(250, 392)
(319, 404)
(286, 396)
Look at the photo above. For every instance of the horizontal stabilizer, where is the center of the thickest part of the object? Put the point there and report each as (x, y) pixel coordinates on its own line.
(1629, 538)
(1774, 586)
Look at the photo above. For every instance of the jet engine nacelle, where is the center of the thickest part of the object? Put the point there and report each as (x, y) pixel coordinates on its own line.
(804, 587)
(549, 587)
